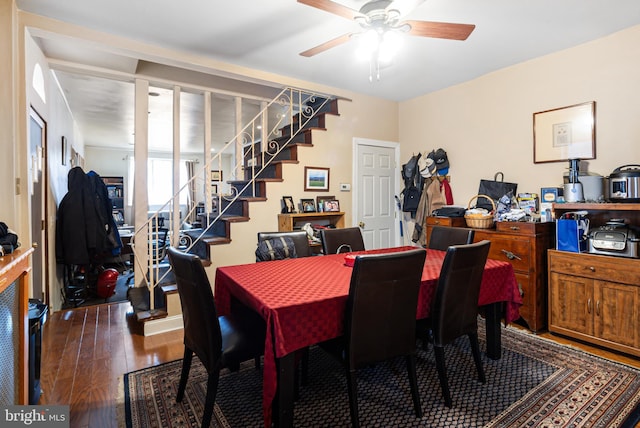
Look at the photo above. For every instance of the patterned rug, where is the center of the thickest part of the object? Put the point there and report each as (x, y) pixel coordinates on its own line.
(536, 383)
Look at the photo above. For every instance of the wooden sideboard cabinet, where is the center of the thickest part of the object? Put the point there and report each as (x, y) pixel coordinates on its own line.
(525, 246)
(15, 270)
(289, 222)
(295, 221)
(594, 297)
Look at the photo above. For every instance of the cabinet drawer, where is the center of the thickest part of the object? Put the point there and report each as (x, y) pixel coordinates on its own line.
(525, 228)
(616, 269)
(446, 221)
(512, 249)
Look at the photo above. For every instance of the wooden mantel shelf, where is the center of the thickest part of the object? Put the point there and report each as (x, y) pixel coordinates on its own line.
(17, 267)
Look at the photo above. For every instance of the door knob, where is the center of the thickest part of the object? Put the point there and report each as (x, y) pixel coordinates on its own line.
(361, 225)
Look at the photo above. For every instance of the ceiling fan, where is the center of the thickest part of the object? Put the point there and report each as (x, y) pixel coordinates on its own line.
(384, 16)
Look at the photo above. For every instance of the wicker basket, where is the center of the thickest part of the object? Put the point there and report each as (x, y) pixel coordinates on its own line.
(480, 221)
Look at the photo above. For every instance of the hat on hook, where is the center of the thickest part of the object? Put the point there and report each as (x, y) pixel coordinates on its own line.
(426, 166)
(441, 159)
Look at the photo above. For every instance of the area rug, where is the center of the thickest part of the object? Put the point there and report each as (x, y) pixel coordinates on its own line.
(536, 383)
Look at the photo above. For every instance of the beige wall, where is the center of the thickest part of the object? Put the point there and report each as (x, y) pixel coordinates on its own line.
(486, 125)
(363, 117)
(8, 127)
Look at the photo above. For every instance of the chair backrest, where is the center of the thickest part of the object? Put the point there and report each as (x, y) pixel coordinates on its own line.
(341, 240)
(455, 306)
(299, 238)
(201, 326)
(442, 237)
(380, 317)
(159, 244)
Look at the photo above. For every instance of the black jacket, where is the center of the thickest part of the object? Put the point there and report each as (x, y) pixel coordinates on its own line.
(85, 230)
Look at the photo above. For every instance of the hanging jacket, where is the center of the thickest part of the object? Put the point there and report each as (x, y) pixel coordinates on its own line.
(430, 200)
(82, 224)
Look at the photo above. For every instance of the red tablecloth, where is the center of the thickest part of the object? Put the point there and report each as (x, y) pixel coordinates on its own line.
(303, 300)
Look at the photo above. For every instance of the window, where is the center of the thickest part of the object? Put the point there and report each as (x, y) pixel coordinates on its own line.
(159, 181)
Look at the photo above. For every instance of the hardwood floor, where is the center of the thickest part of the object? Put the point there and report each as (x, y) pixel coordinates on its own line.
(86, 351)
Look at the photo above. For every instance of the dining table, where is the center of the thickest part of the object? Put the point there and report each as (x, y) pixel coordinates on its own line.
(303, 302)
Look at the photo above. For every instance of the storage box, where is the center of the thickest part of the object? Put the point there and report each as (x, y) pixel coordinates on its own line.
(528, 202)
(550, 194)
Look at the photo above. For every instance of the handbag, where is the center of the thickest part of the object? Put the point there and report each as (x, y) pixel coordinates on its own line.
(496, 189)
(572, 232)
(449, 212)
(279, 248)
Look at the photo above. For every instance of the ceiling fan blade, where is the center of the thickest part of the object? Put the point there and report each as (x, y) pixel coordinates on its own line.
(332, 7)
(440, 30)
(327, 45)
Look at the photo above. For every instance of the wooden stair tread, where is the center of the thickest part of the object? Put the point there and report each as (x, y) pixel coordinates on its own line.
(152, 314)
(169, 288)
(217, 240)
(236, 218)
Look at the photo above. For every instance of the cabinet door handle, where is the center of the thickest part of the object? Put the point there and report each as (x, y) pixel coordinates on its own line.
(510, 255)
(589, 306)
(515, 228)
(437, 222)
(592, 268)
(520, 290)
(598, 308)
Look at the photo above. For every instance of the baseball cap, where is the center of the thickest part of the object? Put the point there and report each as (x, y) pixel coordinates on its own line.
(426, 166)
(440, 157)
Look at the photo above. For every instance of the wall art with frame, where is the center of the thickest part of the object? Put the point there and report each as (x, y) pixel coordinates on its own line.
(565, 133)
(316, 178)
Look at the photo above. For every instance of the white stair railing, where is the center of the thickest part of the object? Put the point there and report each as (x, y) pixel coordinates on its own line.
(262, 143)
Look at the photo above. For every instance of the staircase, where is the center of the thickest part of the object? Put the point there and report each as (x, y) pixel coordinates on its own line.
(265, 151)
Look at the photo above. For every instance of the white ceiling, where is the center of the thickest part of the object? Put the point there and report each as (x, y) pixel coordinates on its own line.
(269, 35)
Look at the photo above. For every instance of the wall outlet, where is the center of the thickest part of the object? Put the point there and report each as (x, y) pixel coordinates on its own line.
(345, 187)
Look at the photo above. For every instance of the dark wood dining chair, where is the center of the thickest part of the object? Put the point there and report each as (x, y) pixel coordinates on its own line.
(299, 238)
(341, 240)
(380, 318)
(442, 237)
(219, 342)
(454, 312)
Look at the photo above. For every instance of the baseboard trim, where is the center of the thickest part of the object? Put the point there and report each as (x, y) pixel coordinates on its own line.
(163, 325)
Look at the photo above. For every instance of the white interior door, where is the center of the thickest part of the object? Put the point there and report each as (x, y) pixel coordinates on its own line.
(375, 175)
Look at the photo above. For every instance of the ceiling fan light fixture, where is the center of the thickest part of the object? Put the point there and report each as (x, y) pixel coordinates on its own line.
(390, 44)
(369, 42)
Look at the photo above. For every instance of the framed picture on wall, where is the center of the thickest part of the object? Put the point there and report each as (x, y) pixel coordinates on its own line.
(64, 150)
(565, 133)
(316, 178)
(216, 175)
